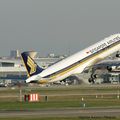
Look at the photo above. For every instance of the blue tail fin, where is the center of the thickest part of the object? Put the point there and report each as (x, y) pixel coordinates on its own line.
(30, 65)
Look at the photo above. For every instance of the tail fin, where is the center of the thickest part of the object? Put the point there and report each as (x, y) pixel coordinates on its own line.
(30, 65)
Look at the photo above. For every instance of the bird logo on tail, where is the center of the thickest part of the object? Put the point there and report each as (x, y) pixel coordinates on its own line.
(32, 65)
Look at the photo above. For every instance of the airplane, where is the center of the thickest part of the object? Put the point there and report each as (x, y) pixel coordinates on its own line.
(71, 65)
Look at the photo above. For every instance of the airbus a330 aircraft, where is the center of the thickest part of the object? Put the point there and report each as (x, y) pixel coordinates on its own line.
(72, 65)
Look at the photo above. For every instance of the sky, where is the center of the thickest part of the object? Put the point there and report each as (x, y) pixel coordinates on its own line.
(56, 26)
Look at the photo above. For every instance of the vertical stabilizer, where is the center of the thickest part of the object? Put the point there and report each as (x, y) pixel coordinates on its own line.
(30, 65)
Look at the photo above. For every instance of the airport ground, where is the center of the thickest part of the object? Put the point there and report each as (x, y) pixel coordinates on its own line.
(85, 102)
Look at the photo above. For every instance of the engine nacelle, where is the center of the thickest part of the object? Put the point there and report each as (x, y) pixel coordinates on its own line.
(111, 68)
(117, 55)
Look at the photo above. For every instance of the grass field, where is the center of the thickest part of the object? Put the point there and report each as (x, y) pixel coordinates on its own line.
(61, 97)
(58, 97)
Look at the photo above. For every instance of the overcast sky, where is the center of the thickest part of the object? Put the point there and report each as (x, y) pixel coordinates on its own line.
(56, 26)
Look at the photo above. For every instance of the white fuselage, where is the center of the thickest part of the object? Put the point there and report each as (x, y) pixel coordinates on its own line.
(79, 61)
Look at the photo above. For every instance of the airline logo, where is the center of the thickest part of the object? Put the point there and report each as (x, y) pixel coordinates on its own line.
(32, 65)
(104, 45)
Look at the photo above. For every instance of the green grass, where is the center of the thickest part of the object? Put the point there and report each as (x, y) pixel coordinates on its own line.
(59, 104)
(61, 90)
(25, 106)
(59, 97)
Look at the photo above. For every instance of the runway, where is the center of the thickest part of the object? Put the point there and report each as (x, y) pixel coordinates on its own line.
(63, 112)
